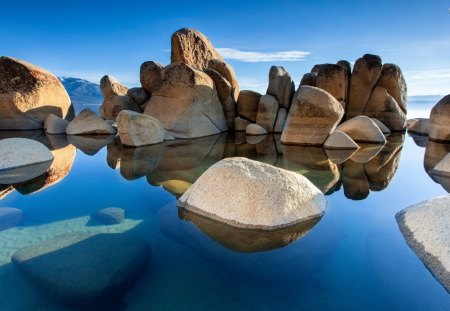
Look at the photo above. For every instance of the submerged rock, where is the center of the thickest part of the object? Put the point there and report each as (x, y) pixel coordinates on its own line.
(88, 123)
(439, 120)
(362, 129)
(110, 215)
(85, 272)
(249, 194)
(136, 129)
(22, 159)
(425, 229)
(10, 217)
(28, 94)
(314, 114)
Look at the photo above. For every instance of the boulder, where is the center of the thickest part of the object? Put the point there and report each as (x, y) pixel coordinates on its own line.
(55, 125)
(366, 72)
(280, 121)
(331, 78)
(240, 124)
(384, 107)
(255, 129)
(314, 114)
(150, 76)
(425, 228)
(88, 123)
(419, 126)
(193, 48)
(384, 129)
(309, 79)
(28, 94)
(22, 159)
(250, 194)
(392, 79)
(110, 215)
(362, 129)
(281, 86)
(10, 217)
(136, 129)
(110, 86)
(84, 272)
(439, 129)
(112, 105)
(226, 96)
(139, 95)
(186, 103)
(347, 67)
(442, 168)
(267, 112)
(227, 72)
(247, 105)
(340, 140)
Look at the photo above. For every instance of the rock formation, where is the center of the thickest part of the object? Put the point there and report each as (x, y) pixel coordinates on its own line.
(136, 129)
(439, 129)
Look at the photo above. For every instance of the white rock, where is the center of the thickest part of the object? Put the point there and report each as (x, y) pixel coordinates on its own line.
(425, 227)
(255, 129)
(381, 125)
(88, 123)
(22, 159)
(340, 140)
(136, 129)
(55, 125)
(362, 129)
(251, 194)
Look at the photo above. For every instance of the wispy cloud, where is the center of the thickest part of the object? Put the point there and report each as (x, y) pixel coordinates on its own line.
(257, 57)
(428, 82)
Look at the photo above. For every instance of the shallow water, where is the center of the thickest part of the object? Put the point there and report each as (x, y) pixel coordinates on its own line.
(353, 258)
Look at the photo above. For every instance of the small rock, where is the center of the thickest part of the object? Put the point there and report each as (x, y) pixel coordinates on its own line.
(150, 75)
(114, 104)
(139, 95)
(247, 105)
(419, 126)
(340, 140)
(110, 215)
(362, 129)
(136, 129)
(55, 125)
(10, 217)
(88, 123)
(255, 129)
(240, 124)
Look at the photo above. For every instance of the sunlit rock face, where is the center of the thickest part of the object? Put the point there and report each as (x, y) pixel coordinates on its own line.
(88, 123)
(425, 229)
(236, 191)
(439, 129)
(28, 94)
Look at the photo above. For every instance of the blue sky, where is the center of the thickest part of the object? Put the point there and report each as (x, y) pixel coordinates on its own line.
(88, 39)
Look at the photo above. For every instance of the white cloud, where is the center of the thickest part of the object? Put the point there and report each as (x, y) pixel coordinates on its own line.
(257, 57)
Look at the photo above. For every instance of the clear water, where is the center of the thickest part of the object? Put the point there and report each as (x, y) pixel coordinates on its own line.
(354, 258)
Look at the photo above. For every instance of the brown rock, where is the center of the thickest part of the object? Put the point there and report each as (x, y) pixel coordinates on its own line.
(186, 103)
(309, 79)
(139, 95)
(314, 114)
(281, 86)
(331, 78)
(439, 120)
(114, 104)
(347, 67)
(280, 121)
(364, 77)
(150, 76)
(88, 123)
(247, 105)
(228, 73)
(28, 94)
(267, 112)
(393, 81)
(136, 129)
(110, 86)
(193, 48)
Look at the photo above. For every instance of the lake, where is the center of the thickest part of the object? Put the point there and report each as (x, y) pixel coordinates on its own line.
(353, 258)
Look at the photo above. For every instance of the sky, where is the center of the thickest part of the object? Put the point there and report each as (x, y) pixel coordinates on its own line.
(88, 39)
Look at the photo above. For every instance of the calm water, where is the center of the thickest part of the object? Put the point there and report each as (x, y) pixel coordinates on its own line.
(354, 258)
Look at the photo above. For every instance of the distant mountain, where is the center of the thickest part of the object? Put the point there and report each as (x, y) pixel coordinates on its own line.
(84, 94)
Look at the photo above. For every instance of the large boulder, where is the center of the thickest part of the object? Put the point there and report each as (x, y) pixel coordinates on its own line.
(267, 112)
(136, 129)
(425, 229)
(250, 194)
(439, 120)
(88, 123)
(392, 79)
(150, 76)
(28, 94)
(314, 114)
(362, 129)
(331, 78)
(114, 104)
(364, 77)
(227, 72)
(55, 125)
(22, 159)
(82, 271)
(347, 67)
(340, 141)
(193, 48)
(186, 103)
(384, 107)
(247, 105)
(281, 86)
(139, 95)
(110, 86)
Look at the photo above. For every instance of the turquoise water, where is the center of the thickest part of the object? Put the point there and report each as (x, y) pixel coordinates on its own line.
(354, 258)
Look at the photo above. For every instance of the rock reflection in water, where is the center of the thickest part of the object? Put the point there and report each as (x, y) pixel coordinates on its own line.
(91, 144)
(434, 153)
(247, 240)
